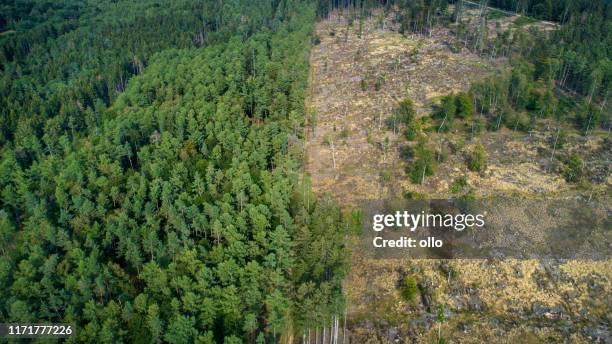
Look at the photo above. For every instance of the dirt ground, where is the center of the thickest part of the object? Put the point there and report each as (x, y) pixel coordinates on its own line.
(487, 301)
(345, 153)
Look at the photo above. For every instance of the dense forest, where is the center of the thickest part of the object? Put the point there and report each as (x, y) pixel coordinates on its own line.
(149, 173)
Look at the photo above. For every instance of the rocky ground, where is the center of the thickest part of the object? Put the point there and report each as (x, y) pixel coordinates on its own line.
(357, 80)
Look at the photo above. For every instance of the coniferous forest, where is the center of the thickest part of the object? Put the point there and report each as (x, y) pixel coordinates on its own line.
(149, 173)
(152, 184)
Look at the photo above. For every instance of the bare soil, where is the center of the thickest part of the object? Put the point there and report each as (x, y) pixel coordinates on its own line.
(487, 301)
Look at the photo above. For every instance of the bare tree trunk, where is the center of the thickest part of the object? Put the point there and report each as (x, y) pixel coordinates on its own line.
(323, 339)
(344, 327)
(333, 154)
(443, 120)
(554, 146)
(335, 329)
(423, 177)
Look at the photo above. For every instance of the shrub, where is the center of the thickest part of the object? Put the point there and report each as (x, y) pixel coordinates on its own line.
(518, 121)
(405, 111)
(464, 104)
(558, 139)
(445, 112)
(573, 171)
(413, 195)
(412, 131)
(379, 82)
(587, 117)
(344, 133)
(363, 84)
(410, 290)
(478, 159)
(458, 184)
(386, 175)
(447, 108)
(477, 126)
(423, 163)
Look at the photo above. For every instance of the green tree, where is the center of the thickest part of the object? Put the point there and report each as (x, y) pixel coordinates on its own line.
(406, 112)
(574, 168)
(423, 163)
(410, 289)
(477, 161)
(464, 105)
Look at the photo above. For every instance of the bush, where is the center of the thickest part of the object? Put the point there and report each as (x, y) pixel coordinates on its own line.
(405, 111)
(573, 171)
(386, 175)
(477, 126)
(445, 112)
(459, 184)
(447, 108)
(410, 290)
(518, 121)
(413, 195)
(558, 139)
(464, 104)
(411, 132)
(587, 117)
(379, 82)
(478, 159)
(344, 133)
(423, 163)
(363, 84)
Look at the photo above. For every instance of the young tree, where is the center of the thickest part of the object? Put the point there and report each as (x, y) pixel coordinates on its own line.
(574, 168)
(405, 111)
(440, 319)
(477, 160)
(423, 163)
(464, 105)
(410, 290)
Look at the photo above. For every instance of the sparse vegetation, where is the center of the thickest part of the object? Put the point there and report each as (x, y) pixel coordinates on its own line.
(344, 133)
(523, 102)
(413, 195)
(363, 84)
(459, 184)
(379, 82)
(523, 20)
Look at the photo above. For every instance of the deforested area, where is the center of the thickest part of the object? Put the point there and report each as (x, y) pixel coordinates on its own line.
(468, 100)
(199, 171)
